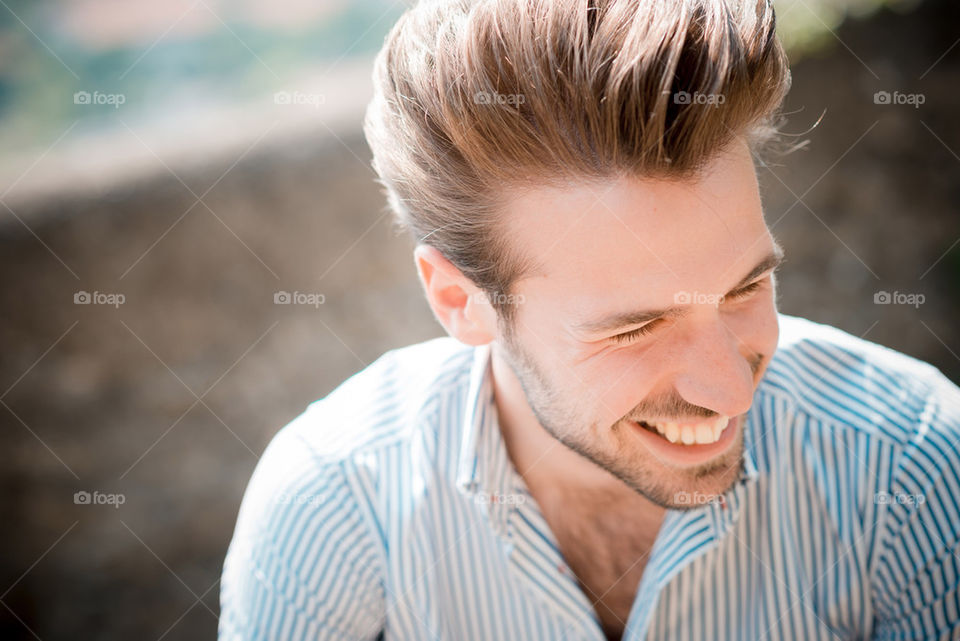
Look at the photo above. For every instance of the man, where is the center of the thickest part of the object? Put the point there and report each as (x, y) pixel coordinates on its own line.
(621, 438)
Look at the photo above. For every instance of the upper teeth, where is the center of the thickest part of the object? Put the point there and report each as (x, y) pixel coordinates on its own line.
(690, 433)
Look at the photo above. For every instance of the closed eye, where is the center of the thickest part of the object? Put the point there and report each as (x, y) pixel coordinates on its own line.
(743, 292)
(643, 330)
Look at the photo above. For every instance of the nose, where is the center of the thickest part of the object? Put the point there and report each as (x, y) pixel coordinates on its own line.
(716, 370)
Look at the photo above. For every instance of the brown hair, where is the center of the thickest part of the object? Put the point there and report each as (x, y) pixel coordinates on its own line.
(475, 96)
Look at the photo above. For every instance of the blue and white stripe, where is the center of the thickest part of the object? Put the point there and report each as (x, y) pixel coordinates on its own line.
(366, 516)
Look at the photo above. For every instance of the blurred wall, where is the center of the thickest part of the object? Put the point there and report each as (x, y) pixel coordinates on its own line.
(168, 399)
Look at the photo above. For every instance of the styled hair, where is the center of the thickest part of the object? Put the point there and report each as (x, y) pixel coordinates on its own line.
(474, 97)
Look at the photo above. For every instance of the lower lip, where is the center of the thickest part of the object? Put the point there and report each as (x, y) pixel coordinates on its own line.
(680, 454)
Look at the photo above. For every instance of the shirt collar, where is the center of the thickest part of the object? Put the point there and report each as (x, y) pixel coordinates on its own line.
(749, 473)
(484, 470)
(475, 415)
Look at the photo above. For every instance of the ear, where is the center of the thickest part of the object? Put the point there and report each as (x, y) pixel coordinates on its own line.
(460, 306)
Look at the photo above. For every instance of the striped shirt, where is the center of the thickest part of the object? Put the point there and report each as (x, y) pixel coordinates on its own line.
(390, 509)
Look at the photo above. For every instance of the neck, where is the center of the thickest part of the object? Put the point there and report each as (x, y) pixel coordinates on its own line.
(551, 470)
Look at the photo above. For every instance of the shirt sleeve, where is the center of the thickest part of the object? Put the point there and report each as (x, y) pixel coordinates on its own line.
(917, 578)
(302, 563)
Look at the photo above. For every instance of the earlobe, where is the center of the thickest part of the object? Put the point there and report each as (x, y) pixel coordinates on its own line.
(481, 317)
(452, 296)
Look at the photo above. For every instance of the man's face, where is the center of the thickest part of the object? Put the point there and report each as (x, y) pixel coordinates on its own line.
(653, 304)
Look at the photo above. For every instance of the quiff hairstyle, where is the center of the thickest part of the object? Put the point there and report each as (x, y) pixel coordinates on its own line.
(474, 97)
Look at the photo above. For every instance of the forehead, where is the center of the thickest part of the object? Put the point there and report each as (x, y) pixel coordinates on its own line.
(596, 242)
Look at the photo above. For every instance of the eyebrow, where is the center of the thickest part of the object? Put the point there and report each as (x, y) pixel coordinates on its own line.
(623, 319)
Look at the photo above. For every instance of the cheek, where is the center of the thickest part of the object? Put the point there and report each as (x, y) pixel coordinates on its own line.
(766, 327)
(620, 382)
(757, 325)
(770, 332)
(769, 335)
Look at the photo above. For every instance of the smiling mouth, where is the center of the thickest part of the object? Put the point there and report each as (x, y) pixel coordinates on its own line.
(701, 433)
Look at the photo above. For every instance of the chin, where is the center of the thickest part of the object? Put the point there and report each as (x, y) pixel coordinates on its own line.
(680, 488)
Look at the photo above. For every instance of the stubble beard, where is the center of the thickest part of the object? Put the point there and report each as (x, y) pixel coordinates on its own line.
(660, 483)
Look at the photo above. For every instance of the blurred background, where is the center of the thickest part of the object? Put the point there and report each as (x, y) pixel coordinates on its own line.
(193, 249)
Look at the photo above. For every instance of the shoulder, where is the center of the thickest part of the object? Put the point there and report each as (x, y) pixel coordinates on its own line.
(342, 447)
(309, 542)
(384, 403)
(357, 438)
(354, 440)
(853, 384)
(871, 435)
